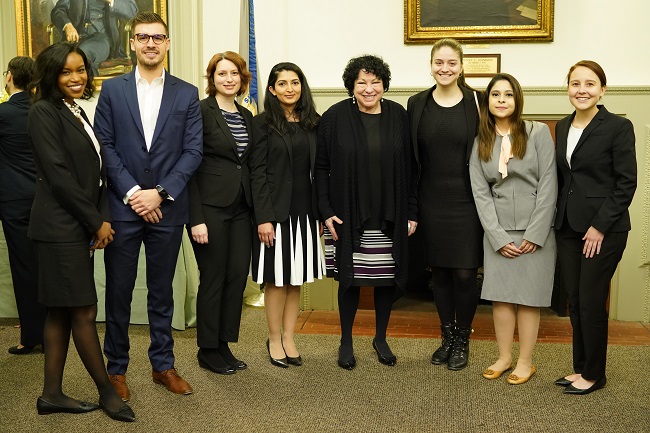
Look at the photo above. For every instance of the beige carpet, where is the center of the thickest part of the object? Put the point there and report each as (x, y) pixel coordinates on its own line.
(414, 396)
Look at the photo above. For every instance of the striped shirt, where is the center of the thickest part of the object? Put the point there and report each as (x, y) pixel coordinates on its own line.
(237, 127)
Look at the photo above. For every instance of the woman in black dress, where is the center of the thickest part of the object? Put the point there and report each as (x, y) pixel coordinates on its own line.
(289, 252)
(444, 121)
(69, 220)
(366, 195)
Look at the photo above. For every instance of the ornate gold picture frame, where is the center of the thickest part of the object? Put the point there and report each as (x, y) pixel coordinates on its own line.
(35, 31)
(487, 21)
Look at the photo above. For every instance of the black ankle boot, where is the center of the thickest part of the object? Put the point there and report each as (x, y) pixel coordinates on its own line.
(441, 355)
(460, 349)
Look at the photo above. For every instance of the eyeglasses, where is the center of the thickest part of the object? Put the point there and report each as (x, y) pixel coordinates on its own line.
(4, 74)
(143, 38)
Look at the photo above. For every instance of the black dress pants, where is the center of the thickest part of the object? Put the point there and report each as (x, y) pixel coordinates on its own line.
(223, 263)
(587, 284)
(24, 270)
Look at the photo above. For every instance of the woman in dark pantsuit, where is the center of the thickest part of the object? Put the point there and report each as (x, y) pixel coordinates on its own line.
(220, 213)
(289, 251)
(597, 178)
(69, 220)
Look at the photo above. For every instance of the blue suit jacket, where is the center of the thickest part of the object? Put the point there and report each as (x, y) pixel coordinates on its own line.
(176, 148)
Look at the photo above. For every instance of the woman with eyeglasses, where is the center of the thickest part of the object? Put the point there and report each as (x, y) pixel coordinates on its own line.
(220, 213)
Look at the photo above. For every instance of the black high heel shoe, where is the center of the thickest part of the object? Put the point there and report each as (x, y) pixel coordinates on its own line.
(124, 413)
(283, 363)
(346, 358)
(385, 358)
(297, 361)
(44, 407)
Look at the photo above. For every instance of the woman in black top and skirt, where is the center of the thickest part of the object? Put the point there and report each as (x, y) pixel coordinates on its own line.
(444, 122)
(69, 220)
(289, 252)
(366, 195)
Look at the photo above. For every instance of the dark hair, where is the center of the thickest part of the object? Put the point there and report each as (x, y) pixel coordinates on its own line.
(305, 107)
(22, 71)
(595, 68)
(49, 65)
(245, 75)
(454, 45)
(486, 129)
(147, 17)
(370, 64)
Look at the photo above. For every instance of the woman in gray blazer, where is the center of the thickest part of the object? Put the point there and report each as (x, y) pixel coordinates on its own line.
(514, 182)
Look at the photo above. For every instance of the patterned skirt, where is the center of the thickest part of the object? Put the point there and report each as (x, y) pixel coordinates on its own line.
(296, 256)
(373, 260)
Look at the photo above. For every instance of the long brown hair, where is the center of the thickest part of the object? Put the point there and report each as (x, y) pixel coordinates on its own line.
(454, 45)
(487, 125)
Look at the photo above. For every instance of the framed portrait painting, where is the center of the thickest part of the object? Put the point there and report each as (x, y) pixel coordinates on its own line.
(102, 28)
(478, 21)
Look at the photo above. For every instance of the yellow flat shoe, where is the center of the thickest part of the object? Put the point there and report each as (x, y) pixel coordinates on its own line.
(513, 379)
(490, 374)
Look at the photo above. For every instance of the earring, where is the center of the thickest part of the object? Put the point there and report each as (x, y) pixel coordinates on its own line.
(354, 99)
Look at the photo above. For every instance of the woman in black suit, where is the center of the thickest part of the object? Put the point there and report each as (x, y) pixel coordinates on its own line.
(69, 220)
(282, 164)
(220, 213)
(597, 179)
(444, 121)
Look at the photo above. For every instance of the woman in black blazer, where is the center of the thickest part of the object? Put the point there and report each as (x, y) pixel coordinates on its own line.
(282, 163)
(444, 121)
(597, 179)
(220, 213)
(69, 220)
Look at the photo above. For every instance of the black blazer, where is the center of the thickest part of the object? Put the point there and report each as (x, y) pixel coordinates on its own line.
(271, 164)
(597, 189)
(17, 170)
(222, 172)
(415, 108)
(69, 205)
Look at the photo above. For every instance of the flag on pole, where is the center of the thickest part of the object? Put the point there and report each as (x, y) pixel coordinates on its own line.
(247, 50)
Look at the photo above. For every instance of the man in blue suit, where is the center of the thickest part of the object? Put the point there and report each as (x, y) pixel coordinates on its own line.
(150, 125)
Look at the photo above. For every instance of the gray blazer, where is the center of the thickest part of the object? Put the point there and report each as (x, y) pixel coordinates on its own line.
(525, 199)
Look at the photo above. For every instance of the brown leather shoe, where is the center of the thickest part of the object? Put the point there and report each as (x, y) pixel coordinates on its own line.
(172, 381)
(119, 383)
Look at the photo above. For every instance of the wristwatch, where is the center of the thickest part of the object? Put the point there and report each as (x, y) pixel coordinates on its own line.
(161, 192)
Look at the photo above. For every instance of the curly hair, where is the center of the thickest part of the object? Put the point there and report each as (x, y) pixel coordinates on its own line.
(369, 64)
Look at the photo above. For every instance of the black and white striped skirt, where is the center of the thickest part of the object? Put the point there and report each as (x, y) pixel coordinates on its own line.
(296, 256)
(373, 261)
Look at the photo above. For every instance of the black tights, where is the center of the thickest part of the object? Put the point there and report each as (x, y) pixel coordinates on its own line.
(455, 293)
(80, 322)
(348, 304)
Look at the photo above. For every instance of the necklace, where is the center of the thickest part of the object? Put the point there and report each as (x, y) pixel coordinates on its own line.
(75, 108)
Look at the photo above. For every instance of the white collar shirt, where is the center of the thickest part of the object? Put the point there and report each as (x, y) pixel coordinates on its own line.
(149, 100)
